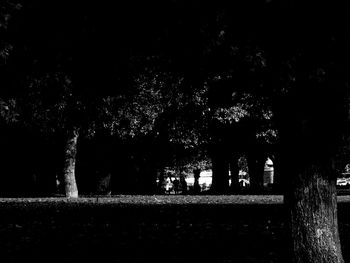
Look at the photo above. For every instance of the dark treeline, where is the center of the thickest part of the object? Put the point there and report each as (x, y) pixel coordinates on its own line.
(128, 93)
(99, 94)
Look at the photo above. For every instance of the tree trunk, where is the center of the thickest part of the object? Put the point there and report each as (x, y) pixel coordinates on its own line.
(196, 186)
(71, 189)
(313, 216)
(234, 169)
(256, 164)
(278, 185)
(161, 178)
(104, 183)
(220, 176)
(148, 180)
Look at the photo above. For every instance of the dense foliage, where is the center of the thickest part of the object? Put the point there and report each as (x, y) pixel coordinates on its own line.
(190, 80)
(108, 98)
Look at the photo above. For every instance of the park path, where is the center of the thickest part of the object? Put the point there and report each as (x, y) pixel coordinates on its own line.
(164, 199)
(157, 199)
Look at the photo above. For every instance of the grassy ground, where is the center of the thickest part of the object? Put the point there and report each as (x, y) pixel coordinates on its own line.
(150, 229)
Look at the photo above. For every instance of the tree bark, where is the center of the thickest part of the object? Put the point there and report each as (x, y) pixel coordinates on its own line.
(278, 185)
(160, 188)
(234, 169)
(256, 164)
(147, 183)
(196, 186)
(313, 216)
(220, 176)
(71, 189)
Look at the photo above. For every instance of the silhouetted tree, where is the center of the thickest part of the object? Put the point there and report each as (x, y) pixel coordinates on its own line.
(310, 106)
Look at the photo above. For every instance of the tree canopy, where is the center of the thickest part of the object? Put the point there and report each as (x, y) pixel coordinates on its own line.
(188, 85)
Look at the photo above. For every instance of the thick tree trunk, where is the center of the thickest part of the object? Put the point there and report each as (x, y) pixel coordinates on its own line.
(70, 185)
(313, 216)
(161, 182)
(220, 176)
(196, 186)
(278, 185)
(256, 164)
(147, 181)
(234, 169)
(104, 183)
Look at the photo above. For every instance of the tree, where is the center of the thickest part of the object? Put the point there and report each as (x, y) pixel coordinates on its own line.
(303, 84)
(241, 123)
(8, 9)
(65, 88)
(229, 64)
(311, 109)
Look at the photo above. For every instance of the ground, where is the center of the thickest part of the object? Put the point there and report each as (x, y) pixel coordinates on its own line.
(150, 229)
